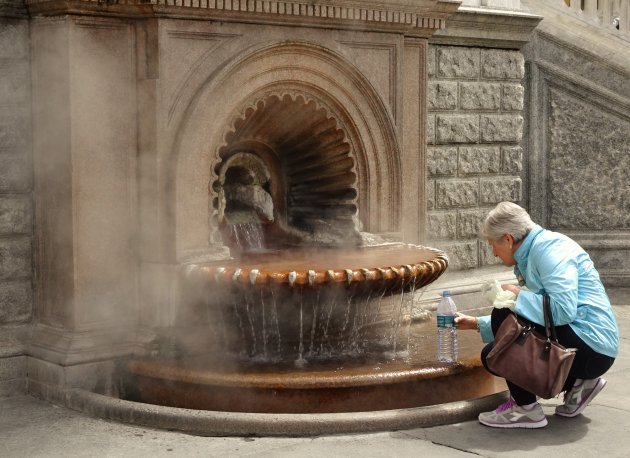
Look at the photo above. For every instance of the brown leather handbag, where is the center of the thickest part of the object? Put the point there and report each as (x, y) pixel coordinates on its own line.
(536, 363)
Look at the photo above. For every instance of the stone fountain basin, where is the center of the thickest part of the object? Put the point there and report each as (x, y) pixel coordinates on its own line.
(309, 266)
(286, 303)
(372, 378)
(355, 385)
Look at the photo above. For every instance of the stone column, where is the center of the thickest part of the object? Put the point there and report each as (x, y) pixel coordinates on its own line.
(84, 146)
(413, 152)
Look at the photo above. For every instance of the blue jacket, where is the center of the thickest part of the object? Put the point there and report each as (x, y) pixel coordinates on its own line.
(552, 263)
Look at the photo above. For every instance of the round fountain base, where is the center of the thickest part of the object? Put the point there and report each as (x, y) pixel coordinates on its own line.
(345, 389)
(358, 383)
(216, 423)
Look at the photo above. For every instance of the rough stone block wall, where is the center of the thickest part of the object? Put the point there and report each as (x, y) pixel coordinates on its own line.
(16, 208)
(578, 143)
(474, 159)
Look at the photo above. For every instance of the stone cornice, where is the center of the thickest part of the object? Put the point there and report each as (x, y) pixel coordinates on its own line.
(412, 17)
(487, 27)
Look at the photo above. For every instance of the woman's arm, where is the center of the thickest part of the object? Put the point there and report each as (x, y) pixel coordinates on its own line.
(466, 322)
(481, 324)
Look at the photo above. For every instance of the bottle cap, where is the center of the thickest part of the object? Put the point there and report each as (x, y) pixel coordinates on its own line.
(446, 293)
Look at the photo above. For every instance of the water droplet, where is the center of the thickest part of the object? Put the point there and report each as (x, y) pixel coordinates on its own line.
(219, 273)
(253, 275)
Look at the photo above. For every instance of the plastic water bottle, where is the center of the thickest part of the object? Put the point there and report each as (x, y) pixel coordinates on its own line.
(447, 333)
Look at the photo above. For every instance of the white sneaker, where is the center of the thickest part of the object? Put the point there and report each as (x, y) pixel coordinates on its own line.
(578, 397)
(511, 415)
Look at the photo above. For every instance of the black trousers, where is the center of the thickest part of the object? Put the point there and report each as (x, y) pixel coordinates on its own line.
(587, 364)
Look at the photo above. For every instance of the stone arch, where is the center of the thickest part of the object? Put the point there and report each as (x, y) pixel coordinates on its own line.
(297, 70)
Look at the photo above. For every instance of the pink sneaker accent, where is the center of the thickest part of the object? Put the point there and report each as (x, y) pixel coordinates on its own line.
(511, 415)
(505, 406)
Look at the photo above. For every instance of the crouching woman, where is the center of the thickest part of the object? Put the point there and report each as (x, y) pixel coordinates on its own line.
(547, 262)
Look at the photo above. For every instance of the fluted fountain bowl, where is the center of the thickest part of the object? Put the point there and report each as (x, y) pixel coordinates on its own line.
(396, 264)
(309, 330)
(305, 303)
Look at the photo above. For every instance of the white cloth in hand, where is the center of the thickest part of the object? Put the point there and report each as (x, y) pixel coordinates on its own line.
(498, 297)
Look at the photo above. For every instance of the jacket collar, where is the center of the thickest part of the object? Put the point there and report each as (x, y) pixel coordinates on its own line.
(522, 253)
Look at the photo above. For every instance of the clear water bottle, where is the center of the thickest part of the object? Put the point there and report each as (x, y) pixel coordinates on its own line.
(447, 333)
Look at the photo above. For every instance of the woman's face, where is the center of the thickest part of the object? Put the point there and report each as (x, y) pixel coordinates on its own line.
(504, 249)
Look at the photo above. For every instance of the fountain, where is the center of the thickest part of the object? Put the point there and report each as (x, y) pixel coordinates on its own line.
(308, 314)
(312, 340)
(207, 177)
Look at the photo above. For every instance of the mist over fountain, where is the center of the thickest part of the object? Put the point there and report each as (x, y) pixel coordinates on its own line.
(307, 314)
(230, 201)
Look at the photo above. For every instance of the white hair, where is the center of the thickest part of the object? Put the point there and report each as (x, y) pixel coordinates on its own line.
(507, 218)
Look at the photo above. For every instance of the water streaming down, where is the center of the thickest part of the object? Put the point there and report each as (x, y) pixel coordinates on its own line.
(248, 236)
(312, 326)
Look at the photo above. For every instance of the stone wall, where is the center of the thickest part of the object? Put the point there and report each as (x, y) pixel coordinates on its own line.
(16, 289)
(578, 148)
(474, 157)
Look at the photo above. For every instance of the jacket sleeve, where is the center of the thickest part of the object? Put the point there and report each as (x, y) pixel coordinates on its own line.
(485, 329)
(558, 274)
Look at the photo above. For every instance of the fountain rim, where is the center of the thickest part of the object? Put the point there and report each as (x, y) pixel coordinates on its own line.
(221, 423)
(428, 270)
(298, 380)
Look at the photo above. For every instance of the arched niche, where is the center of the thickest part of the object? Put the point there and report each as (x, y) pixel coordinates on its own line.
(299, 71)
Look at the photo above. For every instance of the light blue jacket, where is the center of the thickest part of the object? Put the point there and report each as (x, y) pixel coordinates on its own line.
(552, 263)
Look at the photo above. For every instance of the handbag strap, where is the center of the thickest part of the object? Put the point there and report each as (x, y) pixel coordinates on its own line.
(550, 329)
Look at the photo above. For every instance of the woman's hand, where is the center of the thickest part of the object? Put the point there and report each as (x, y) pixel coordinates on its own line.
(465, 321)
(515, 289)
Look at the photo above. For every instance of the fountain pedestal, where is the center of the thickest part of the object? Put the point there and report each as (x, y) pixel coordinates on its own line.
(323, 387)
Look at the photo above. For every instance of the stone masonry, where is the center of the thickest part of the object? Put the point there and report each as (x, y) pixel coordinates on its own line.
(16, 220)
(474, 159)
(578, 147)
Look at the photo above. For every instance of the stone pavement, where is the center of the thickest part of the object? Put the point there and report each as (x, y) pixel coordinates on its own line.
(33, 428)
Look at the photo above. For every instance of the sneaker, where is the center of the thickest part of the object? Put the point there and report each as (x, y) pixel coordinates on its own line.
(511, 415)
(578, 397)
